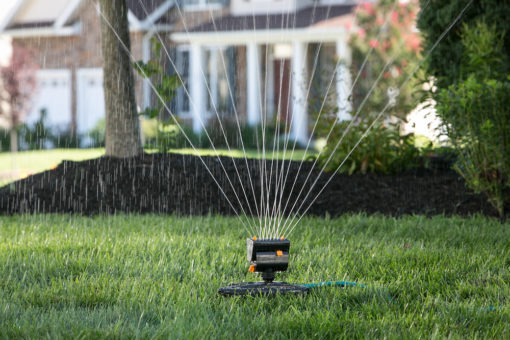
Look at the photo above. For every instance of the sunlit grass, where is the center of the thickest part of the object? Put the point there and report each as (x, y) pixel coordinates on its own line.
(25, 163)
(41, 160)
(157, 276)
(297, 155)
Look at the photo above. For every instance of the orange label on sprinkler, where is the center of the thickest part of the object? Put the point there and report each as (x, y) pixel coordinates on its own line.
(252, 268)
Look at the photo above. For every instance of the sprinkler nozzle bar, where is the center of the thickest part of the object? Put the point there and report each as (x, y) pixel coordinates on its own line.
(254, 238)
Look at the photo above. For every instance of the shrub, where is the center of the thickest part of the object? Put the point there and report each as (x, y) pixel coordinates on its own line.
(476, 115)
(5, 142)
(165, 137)
(251, 136)
(446, 59)
(97, 134)
(42, 136)
(36, 136)
(384, 149)
(477, 119)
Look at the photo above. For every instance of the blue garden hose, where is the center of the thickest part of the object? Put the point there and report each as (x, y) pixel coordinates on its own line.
(333, 283)
(354, 284)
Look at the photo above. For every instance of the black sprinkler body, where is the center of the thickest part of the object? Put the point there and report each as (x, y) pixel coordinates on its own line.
(266, 256)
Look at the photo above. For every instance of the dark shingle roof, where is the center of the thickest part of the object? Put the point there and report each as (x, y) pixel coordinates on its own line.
(140, 8)
(300, 19)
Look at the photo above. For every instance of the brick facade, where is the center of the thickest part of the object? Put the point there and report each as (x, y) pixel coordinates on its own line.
(78, 51)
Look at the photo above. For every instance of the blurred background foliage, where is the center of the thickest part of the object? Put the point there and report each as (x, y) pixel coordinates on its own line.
(476, 114)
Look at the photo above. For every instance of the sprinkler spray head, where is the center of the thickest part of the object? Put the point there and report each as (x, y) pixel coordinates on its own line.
(266, 256)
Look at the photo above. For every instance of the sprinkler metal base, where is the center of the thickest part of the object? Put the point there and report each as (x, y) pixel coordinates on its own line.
(262, 289)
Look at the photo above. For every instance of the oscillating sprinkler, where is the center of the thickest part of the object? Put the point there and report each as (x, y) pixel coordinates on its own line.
(267, 257)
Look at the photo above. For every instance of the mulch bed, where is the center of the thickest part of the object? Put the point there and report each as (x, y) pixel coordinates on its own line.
(180, 184)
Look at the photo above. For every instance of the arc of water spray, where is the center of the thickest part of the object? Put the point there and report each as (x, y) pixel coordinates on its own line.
(265, 183)
(236, 114)
(389, 104)
(353, 119)
(322, 107)
(268, 183)
(216, 112)
(280, 184)
(173, 117)
(268, 187)
(238, 127)
(358, 111)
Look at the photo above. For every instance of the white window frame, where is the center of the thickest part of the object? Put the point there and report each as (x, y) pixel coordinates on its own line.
(179, 50)
(202, 5)
(212, 79)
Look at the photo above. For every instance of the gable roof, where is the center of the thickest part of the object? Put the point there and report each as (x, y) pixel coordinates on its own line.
(142, 15)
(142, 10)
(305, 17)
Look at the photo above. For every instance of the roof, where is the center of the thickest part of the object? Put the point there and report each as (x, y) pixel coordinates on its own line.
(306, 17)
(141, 9)
(143, 14)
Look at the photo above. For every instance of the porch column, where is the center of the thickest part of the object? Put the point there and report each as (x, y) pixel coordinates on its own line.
(299, 128)
(343, 81)
(253, 83)
(269, 86)
(197, 87)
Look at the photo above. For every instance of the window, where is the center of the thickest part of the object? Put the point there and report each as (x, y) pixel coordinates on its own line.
(182, 99)
(219, 72)
(220, 79)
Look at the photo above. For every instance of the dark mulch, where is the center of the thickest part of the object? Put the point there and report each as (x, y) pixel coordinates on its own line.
(172, 183)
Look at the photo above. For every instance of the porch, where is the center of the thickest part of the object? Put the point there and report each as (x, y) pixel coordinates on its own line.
(277, 67)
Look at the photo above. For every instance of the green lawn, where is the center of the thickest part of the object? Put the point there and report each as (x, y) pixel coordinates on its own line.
(30, 162)
(157, 276)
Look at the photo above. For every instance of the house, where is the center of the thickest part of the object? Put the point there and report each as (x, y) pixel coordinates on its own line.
(253, 58)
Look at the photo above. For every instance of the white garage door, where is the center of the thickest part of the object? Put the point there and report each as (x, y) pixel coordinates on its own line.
(90, 99)
(52, 93)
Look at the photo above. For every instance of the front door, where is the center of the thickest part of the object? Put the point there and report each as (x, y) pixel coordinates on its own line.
(282, 89)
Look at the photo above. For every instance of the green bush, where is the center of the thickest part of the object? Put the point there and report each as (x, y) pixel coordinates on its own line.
(35, 137)
(251, 136)
(445, 61)
(476, 115)
(5, 140)
(40, 135)
(97, 134)
(165, 137)
(384, 149)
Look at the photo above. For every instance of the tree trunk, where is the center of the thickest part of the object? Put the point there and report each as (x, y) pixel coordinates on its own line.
(122, 126)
